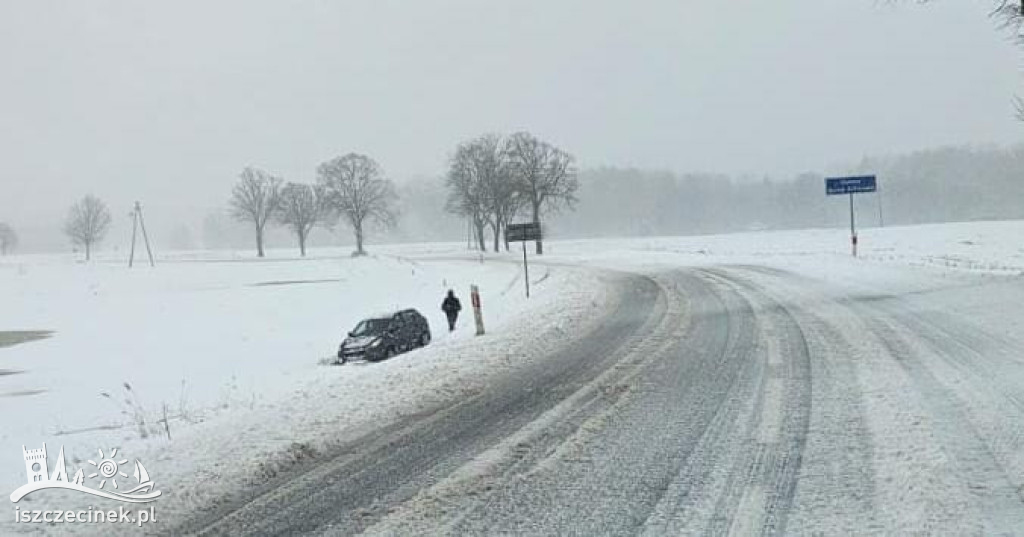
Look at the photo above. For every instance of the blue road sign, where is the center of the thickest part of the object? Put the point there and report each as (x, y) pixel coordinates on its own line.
(850, 185)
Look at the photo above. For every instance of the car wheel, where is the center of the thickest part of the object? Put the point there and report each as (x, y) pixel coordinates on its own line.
(425, 339)
(389, 353)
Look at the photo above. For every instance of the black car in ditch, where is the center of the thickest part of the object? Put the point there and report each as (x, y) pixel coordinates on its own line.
(379, 338)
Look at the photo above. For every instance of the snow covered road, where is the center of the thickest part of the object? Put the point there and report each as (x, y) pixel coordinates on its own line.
(723, 399)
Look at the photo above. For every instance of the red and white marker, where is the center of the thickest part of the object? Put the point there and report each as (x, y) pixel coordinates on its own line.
(478, 315)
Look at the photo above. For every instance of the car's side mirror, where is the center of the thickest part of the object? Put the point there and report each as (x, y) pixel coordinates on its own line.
(350, 334)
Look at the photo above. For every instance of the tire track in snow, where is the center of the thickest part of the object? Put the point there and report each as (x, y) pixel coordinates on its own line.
(611, 473)
(471, 490)
(765, 479)
(699, 412)
(948, 479)
(987, 459)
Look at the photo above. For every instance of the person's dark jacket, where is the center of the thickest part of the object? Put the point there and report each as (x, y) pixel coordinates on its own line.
(451, 305)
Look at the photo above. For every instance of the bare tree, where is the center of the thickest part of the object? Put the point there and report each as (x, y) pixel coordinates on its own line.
(255, 199)
(1011, 18)
(500, 191)
(359, 192)
(1009, 14)
(514, 203)
(87, 223)
(302, 208)
(481, 186)
(8, 239)
(467, 193)
(544, 175)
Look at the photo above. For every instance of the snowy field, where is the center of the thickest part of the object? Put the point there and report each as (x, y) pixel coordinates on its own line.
(979, 247)
(230, 347)
(233, 349)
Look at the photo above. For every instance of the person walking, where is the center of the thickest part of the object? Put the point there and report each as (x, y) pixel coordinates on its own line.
(451, 308)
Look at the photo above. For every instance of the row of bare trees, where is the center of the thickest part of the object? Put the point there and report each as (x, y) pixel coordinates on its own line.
(351, 187)
(494, 179)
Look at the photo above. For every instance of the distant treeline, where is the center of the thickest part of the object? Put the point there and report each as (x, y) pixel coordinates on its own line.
(948, 184)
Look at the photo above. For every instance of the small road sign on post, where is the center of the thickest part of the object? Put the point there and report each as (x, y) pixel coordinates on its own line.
(851, 185)
(524, 233)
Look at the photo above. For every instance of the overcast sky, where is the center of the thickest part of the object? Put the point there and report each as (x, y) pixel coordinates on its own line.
(166, 103)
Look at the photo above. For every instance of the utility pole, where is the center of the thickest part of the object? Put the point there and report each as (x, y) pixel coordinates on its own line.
(135, 227)
(139, 223)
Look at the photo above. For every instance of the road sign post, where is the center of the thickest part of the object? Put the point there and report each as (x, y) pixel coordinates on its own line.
(526, 271)
(524, 233)
(850, 186)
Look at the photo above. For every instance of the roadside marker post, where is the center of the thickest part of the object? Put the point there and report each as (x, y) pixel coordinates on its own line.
(850, 186)
(524, 233)
(478, 316)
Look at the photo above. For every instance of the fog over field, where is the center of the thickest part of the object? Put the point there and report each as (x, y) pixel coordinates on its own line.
(463, 267)
(166, 104)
